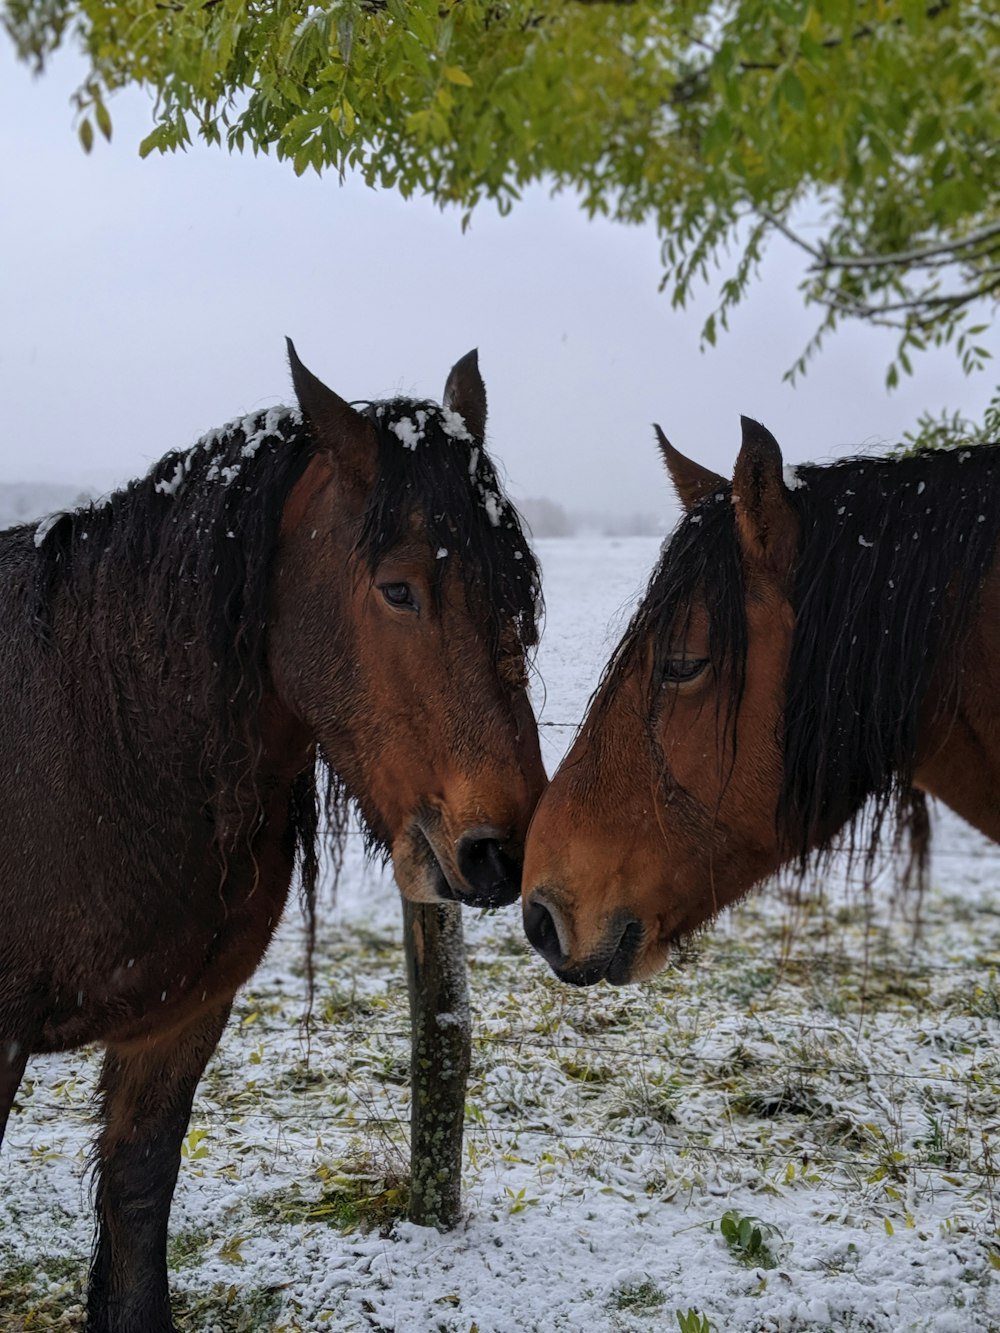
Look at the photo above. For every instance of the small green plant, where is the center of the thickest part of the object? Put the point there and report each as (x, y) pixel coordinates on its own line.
(693, 1321)
(518, 1201)
(749, 1239)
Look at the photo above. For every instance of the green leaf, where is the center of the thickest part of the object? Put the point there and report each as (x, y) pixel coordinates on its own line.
(792, 90)
(86, 133)
(103, 119)
(455, 75)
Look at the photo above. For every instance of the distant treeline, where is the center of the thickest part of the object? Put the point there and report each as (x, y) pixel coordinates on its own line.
(546, 518)
(26, 501)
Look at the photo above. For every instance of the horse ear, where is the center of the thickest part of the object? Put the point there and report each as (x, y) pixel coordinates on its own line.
(465, 393)
(766, 521)
(336, 424)
(692, 482)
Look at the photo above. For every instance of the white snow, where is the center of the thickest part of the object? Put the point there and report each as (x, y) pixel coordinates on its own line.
(171, 485)
(407, 431)
(792, 478)
(46, 526)
(256, 435)
(817, 1068)
(453, 424)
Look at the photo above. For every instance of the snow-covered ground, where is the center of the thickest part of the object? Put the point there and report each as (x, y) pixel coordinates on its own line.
(815, 1067)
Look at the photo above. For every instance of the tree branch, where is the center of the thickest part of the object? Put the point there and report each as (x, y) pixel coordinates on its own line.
(915, 258)
(876, 314)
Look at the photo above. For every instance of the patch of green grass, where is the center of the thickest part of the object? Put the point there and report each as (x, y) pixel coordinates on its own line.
(585, 1071)
(228, 1309)
(785, 1099)
(654, 1097)
(637, 1297)
(360, 1197)
(984, 1001)
(186, 1248)
(46, 1294)
(339, 1005)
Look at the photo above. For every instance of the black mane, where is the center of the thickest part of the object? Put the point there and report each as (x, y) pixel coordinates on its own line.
(892, 557)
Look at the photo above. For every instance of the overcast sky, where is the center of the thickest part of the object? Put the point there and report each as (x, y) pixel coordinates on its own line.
(147, 302)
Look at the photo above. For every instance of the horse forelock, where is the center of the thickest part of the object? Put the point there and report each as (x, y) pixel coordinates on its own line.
(430, 468)
(699, 565)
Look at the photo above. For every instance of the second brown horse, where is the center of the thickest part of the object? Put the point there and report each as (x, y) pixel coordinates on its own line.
(817, 648)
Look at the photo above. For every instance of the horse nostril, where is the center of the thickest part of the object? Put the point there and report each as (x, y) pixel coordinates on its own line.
(540, 928)
(493, 876)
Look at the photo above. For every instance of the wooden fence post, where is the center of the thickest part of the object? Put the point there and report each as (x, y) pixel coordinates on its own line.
(441, 1035)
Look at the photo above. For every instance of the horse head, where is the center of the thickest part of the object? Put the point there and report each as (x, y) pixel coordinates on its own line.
(404, 607)
(664, 809)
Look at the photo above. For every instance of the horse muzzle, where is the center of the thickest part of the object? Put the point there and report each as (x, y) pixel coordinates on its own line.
(482, 870)
(548, 928)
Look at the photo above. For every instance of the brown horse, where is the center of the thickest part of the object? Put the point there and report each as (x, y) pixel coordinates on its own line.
(329, 605)
(818, 647)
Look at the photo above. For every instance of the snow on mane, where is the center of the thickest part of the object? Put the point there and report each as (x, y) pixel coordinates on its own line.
(47, 524)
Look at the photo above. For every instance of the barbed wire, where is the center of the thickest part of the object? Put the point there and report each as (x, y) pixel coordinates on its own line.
(350, 1126)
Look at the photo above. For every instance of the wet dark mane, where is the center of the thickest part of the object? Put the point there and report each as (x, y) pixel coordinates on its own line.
(162, 589)
(892, 557)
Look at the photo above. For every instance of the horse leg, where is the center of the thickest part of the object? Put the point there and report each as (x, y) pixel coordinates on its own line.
(146, 1096)
(13, 1058)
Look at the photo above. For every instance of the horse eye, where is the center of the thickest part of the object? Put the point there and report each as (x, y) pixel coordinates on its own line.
(678, 670)
(398, 594)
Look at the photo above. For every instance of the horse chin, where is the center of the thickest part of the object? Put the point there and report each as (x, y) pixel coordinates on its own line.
(417, 869)
(652, 960)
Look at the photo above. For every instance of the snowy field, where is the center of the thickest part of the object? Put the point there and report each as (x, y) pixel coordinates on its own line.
(815, 1068)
